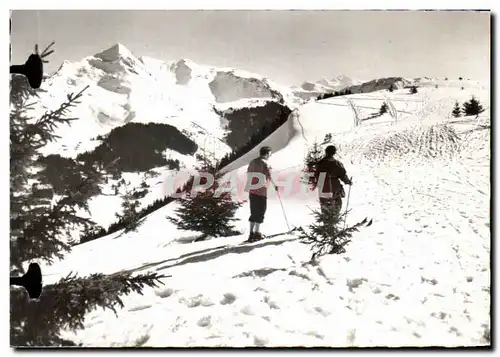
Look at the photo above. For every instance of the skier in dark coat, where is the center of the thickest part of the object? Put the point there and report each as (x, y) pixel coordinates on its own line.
(331, 190)
(258, 196)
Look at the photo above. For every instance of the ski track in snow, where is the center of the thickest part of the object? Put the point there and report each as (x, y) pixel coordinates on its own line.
(419, 276)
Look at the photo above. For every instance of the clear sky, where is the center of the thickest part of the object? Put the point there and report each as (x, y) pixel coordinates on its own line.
(287, 46)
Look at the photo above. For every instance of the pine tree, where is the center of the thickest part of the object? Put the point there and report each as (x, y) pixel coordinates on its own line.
(457, 112)
(35, 222)
(40, 226)
(313, 156)
(326, 235)
(130, 209)
(208, 211)
(391, 88)
(384, 108)
(472, 107)
(413, 90)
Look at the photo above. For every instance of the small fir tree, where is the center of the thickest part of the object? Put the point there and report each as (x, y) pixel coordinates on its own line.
(384, 108)
(472, 107)
(313, 156)
(208, 211)
(456, 112)
(130, 208)
(413, 90)
(326, 235)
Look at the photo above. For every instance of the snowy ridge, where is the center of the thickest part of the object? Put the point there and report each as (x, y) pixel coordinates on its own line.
(419, 276)
(309, 90)
(327, 85)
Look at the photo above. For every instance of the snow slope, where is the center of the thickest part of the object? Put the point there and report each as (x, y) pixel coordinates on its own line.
(419, 276)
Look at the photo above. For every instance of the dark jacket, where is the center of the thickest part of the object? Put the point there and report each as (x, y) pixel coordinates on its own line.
(334, 171)
(258, 166)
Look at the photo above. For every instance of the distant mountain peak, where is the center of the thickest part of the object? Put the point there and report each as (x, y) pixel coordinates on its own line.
(323, 81)
(342, 77)
(324, 84)
(114, 53)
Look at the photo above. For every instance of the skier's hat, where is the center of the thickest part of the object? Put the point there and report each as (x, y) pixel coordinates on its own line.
(330, 150)
(265, 150)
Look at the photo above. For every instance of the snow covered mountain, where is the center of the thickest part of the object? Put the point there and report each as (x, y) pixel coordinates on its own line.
(337, 83)
(309, 90)
(381, 84)
(125, 88)
(155, 116)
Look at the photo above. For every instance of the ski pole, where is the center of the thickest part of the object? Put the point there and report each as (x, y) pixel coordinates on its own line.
(347, 204)
(282, 208)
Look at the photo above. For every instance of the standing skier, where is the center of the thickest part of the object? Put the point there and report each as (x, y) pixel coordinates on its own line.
(331, 191)
(258, 195)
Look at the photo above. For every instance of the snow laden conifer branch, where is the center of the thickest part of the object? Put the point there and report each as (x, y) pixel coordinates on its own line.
(49, 121)
(64, 305)
(35, 219)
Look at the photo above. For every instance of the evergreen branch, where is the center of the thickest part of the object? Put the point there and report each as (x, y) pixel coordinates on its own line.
(326, 236)
(65, 304)
(68, 200)
(57, 114)
(46, 51)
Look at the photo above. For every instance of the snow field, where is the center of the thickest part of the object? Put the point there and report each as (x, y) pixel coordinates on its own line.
(419, 276)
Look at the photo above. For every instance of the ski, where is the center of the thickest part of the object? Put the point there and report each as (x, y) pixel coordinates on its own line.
(367, 223)
(282, 233)
(271, 236)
